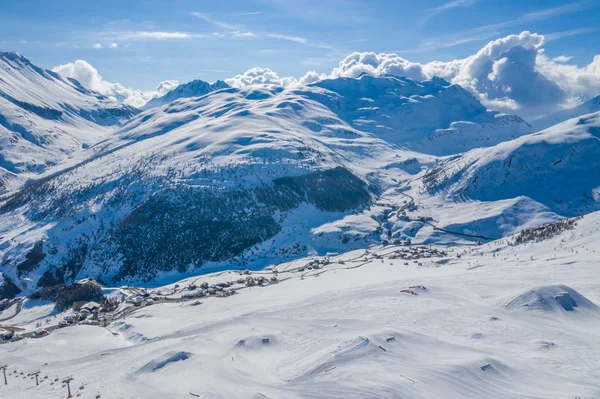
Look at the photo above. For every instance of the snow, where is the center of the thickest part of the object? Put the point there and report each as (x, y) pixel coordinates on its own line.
(246, 138)
(466, 335)
(45, 119)
(195, 88)
(557, 167)
(343, 310)
(555, 118)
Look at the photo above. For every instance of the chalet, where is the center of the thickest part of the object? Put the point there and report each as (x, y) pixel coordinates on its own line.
(91, 307)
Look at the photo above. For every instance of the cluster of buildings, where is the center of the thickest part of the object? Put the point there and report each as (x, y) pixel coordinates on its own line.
(205, 289)
(261, 281)
(413, 253)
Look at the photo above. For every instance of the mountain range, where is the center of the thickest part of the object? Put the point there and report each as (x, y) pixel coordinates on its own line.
(210, 176)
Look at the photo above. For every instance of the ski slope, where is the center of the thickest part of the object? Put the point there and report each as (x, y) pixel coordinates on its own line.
(485, 324)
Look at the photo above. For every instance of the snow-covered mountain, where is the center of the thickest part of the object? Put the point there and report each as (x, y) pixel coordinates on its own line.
(432, 116)
(45, 119)
(243, 177)
(197, 182)
(558, 167)
(587, 107)
(195, 88)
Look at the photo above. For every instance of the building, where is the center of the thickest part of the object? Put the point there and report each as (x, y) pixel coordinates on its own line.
(91, 307)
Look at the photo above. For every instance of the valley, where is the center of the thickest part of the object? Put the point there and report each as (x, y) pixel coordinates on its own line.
(364, 235)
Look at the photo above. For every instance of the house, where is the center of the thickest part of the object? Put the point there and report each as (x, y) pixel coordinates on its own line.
(136, 300)
(91, 307)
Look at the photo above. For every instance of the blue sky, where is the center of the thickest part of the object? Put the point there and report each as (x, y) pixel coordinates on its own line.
(145, 42)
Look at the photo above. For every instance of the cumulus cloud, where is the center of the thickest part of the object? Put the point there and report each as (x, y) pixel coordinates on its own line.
(503, 74)
(258, 75)
(581, 83)
(378, 64)
(89, 77)
(510, 74)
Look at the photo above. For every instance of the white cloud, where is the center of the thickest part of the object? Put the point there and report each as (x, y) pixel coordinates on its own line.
(503, 74)
(510, 74)
(580, 83)
(113, 45)
(89, 77)
(243, 34)
(97, 45)
(566, 33)
(445, 7)
(295, 39)
(485, 32)
(378, 64)
(258, 75)
(244, 14)
(155, 35)
(562, 58)
(311, 77)
(210, 20)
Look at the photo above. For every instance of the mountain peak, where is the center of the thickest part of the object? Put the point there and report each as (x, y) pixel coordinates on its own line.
(195, 88)
(12, 55)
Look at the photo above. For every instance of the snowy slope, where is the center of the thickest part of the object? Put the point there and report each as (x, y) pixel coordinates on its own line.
(432, 117)
(587, 107)
(266, 173)
(195, 88)
(484, 322)
(197, 182)
(44, 119)
(558, 167)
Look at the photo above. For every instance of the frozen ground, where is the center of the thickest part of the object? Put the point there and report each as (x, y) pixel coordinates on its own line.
(488, 325)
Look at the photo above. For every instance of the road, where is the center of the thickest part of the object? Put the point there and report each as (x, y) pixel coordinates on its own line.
(412, 201)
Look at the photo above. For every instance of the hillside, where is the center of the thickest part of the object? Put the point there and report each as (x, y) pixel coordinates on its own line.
(587, 107)
(187, 186)
(432, 116)
(244, 178)
(45, 119)
(495, 321)
(558, 167)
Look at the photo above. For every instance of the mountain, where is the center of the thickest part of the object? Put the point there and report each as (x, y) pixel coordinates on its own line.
(588, 107)
(45, 119)
(558, 167)
(233, 177)
(241, 178)
(195, 88)
(432, 116)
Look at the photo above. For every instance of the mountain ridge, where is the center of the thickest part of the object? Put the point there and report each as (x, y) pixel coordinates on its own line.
(194, 88)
